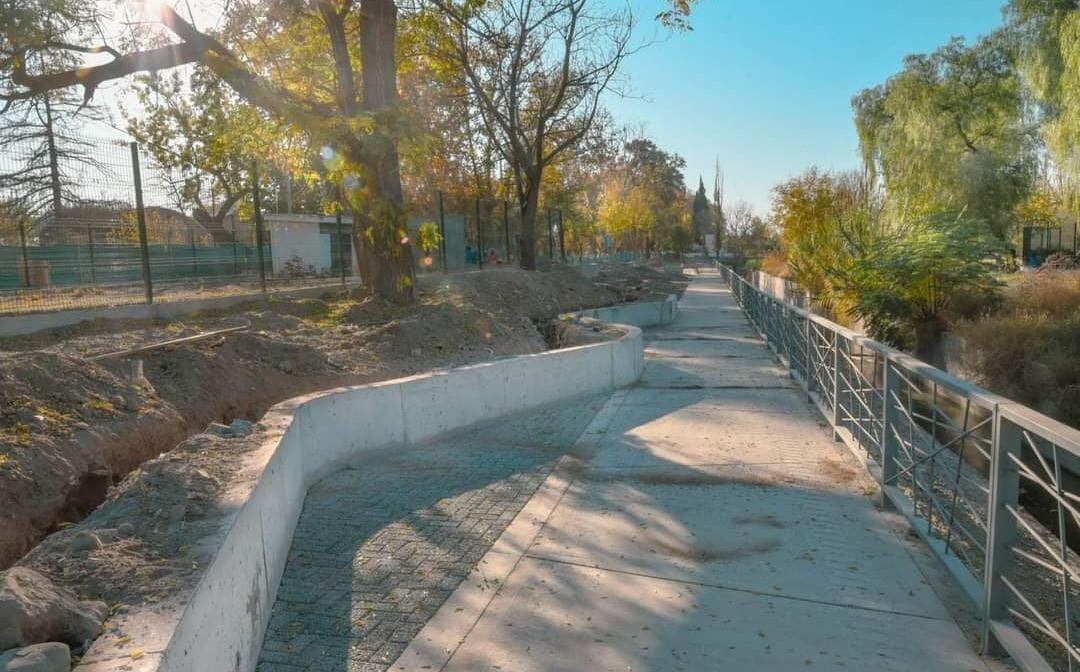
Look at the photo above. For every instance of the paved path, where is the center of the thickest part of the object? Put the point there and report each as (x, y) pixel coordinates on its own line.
(379, 548)
(714, 526)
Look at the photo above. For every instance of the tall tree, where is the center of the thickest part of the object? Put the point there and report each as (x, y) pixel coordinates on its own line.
(41, 132)
(947, 133)
(1048, 36)
(535, 72)
(702, 219)
(347, 103)
(719, 223)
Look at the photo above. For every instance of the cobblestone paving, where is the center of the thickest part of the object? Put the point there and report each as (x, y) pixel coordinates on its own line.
(379, 548)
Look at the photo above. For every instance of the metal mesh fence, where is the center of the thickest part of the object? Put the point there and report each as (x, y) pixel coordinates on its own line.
(110, 226)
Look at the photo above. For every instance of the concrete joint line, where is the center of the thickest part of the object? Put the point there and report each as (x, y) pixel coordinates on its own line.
(748, 591)
(435, 645)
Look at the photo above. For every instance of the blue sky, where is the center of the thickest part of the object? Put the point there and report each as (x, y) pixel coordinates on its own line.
(765, 85)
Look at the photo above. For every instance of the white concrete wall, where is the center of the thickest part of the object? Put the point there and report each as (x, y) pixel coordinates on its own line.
(221, 625)
(298, 239)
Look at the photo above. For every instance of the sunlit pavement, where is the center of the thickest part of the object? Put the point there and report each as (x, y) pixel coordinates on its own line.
(714, 526)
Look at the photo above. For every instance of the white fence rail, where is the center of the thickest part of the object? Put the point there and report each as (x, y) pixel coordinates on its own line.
(992, 486)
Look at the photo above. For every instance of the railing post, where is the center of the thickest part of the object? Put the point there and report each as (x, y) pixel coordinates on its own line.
(890, 444)
(140, 218)
(836, 385)
(811, 368)
(1005, 451)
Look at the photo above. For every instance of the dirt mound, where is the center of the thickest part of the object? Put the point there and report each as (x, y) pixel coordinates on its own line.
(539, 295)
(634, 282)
(69, 428)
(60, 418)
(1059, 261)
(149, 528)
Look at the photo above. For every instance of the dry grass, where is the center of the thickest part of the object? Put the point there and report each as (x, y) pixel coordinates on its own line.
(1030, 349)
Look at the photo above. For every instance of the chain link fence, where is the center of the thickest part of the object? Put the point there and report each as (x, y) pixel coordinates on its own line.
(111, 226)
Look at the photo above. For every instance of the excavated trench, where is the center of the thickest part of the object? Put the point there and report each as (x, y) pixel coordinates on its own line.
(103, 425)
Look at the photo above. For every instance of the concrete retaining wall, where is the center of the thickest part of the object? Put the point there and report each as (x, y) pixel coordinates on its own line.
(307, 438)
(21, 325)
(639, 314)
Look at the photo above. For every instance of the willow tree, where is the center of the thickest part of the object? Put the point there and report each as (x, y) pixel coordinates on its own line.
(947, 133)
(318, 84)
(1048, 37)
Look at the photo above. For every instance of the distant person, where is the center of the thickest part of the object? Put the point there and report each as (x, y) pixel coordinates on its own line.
(493, 256)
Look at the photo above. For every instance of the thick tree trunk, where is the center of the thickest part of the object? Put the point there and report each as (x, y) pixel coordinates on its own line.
(379, 228)
(530, 202)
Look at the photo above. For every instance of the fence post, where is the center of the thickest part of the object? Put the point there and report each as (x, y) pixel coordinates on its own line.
(442, 233)
(340, 241)
(258, 224)
(479, 237)
(90, 244)
(140, 218)
(235, 257)
(562, 238)
(551, 238)
(811, 368)
(1005, 451)
(194, 253)
(506, 228)
(25, 253)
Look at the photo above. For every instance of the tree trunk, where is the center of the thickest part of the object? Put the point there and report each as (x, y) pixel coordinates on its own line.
(929, 342)
(379, 229)
(529, 205)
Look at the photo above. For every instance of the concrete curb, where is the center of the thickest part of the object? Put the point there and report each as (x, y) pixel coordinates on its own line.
(639, 314)
(221, 625)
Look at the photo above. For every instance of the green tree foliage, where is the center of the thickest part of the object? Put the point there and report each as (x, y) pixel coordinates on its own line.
(644, 205)
(1048, 37)
(902, 286)
(825, 219)
(899, 278)
(947, 134)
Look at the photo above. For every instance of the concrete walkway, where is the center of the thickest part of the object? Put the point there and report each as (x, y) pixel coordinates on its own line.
(712, 525)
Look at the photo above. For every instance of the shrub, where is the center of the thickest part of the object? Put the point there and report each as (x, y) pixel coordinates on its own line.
(1054, 294)
(774, 263)
(1033, 359)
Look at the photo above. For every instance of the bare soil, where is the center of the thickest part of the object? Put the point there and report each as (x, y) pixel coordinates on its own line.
(74, 433)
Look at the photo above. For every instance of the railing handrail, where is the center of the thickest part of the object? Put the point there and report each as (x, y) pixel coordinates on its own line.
(1019, 412)
(991, 542)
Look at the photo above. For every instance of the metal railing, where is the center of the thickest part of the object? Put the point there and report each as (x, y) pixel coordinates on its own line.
(992, 486)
